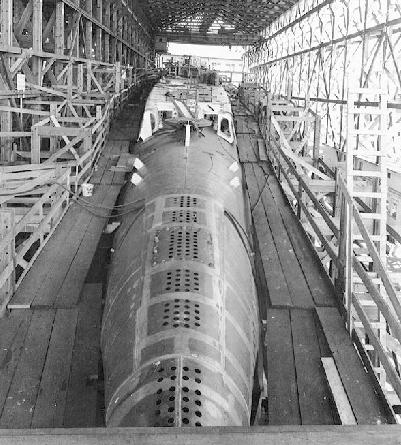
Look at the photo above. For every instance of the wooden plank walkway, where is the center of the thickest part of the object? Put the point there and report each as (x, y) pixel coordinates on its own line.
(50, 364)
(299, 308)
(271, 435)
(49, 372)
(56, 278)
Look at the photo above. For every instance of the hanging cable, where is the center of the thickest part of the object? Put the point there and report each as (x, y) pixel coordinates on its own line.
(134, 219)
(241, 232)
(91, 209)
(99, 206)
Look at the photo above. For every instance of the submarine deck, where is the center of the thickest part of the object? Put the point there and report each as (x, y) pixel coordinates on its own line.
(49, 346)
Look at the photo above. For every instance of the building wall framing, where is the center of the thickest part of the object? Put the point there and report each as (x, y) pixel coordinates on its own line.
(51, 43)
(66, 67)
(321, 48)
(103, 30)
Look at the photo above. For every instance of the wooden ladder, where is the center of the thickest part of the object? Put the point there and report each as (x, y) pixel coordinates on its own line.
(366, 177)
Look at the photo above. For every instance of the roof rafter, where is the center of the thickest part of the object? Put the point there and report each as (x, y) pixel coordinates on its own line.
(229, 18)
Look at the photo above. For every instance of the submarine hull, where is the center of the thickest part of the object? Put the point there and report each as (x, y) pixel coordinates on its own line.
(180, 327)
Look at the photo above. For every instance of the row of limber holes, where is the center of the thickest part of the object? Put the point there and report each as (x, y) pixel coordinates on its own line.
(181, 315)
(183, 201)
(182, 282)
(177, 242)
(183, 216)
(185, 399)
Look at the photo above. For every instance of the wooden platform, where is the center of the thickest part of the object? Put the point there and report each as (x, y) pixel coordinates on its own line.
(302, 323)
(49, 367)
(283, 435)
(50, 364)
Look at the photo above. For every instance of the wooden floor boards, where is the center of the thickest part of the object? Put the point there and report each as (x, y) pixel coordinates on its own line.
(49, 369)
(355, 379)
(296, 390)
(292, 270)
(51, 400)
(82, 393)
(284, 245)
(22, 394)
(12, 337)
(313, 393)
(279, 294)
(282, 389)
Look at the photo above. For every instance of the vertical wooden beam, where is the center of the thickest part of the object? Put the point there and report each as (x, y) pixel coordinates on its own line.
(70, 75)
(5, 39)
(37, 20)
(59, 38)
(117, 84)
(129, 75)
(80, 78)
(107, 36)
(107, 48)
(115, 31)
(5, 142)
(35, 146)
(88, 31)
(316, 140)
(87, 143)
(99, 40)
(59, 28)
(120, 27)
(7, 256)
(73, 34)
(53, 139)
(6, 22)
(88, 76)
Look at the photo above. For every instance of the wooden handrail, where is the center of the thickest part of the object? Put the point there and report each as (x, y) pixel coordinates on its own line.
(380, 268)
(287, 150)
(377, 297)
(54, 185)
(390, 371)
(309, 192)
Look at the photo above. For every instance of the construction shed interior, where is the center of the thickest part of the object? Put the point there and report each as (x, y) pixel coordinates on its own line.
(318, 133)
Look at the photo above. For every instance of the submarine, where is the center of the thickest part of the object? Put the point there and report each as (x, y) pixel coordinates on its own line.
(180, 328)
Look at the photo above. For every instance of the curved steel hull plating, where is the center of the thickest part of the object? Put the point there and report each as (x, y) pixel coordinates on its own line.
(180, 326)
